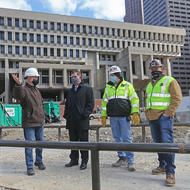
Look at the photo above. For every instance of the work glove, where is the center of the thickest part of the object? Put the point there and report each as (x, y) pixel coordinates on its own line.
(103, 120)
(135, 119)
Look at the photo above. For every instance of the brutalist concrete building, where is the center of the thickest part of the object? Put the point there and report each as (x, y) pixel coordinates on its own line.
(57, 44)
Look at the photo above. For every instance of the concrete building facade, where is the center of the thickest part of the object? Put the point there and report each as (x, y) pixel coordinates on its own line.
(57, 44)
(172, 13)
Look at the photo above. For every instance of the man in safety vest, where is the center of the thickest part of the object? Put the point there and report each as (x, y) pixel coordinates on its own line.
(119, 102)
(163, 96)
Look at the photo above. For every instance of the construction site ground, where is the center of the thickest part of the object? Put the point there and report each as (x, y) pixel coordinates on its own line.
(57, 177)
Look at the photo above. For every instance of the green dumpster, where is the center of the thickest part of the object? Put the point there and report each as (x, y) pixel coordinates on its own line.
(11, 115)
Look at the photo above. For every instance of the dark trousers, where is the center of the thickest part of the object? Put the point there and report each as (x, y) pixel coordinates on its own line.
(76, 134)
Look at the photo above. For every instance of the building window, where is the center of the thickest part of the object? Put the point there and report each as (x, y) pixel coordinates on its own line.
(65, 39)
(58, 26)
(10, 64)
(101, 30)
(113, 32)
(17, 50)
(31, 51)
(38, 24)
(77, 41)
(45, 51)
(129, 33)
(9, 20)
(45, 38)
(51, 51)
(65, 27)
(24, 24)
(2, 36)
(59, 39)
(133, 67)
(1, 21)
(84, 29)
(114, 58)
(90, 29)
(101, 43)
(96, 30)
(118, 44)
(38, 51)
(77, 53)
(107, 43)
(24, 50)
(71, 53)
(65, 52)
(52, 25)
(83, 41)
(31, 24)
(118, 32)
(58, 52)
(78, 28)
(45, 25)
(71, 40)
(57, 77)
(31, 37)
(2, 49)
(144, 67)
(52, 39)
(16, 22)
(24, 37)
(10, 50)
(95, 42)
(44, 76)
(107, 31)
(71, 28)
(83, 54)
(38, 38)
(89, 42)
(112, 43)
(17, 36)
(85, 77)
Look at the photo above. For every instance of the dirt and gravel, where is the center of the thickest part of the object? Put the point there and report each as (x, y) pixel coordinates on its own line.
(57, 177)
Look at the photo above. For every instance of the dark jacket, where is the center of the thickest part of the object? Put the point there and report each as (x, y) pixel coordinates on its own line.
(79, 105)
(33, 113)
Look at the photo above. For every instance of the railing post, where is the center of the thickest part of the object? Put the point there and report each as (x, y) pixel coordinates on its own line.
(97, 134)
(59, 133)
(0, 132)
(143, 133)
(95, 169)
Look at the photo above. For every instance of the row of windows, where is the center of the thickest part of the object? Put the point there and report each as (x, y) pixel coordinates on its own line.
(95, 29)
(23, 50)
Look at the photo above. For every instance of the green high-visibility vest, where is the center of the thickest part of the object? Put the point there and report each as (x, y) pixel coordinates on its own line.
(158, 96)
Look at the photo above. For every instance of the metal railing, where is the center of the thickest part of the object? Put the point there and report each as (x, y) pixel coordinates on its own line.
(96, 147)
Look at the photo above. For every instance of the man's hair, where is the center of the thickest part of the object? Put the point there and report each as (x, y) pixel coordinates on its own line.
(77, 72)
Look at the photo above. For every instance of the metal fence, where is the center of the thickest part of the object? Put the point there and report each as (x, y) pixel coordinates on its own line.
(96, 147)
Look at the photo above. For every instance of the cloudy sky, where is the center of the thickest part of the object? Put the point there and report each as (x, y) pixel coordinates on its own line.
(101, 9)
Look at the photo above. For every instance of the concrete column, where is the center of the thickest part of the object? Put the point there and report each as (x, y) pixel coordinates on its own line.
(97, 61)
(168, 66)
(50, 77)
(140, 62)
(65, 78)
(62, 95)
(6, 80)
(130, 73)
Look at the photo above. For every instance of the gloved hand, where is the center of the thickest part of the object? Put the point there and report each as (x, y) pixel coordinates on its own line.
(135, 119)
(103, 120)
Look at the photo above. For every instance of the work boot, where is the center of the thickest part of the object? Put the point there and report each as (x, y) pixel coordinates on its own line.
(30, 171)
(130, 167)
(158, 170)
(170, 180)
(40, 166)
(71, 163)
(120, 162)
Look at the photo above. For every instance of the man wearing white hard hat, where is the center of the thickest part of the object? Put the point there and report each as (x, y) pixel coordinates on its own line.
(119, 102)
(33, 115)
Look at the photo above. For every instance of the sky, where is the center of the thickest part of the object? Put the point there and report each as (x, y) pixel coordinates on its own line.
(100, 9)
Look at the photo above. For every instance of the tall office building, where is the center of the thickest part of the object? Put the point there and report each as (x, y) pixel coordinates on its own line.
(171, 13)
(134, 11)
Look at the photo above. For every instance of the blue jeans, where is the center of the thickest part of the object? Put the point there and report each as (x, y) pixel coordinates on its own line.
(30, 134)
(121, 131)
(162, 132)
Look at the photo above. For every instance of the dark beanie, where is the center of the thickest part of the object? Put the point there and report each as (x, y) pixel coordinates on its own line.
(118, 74)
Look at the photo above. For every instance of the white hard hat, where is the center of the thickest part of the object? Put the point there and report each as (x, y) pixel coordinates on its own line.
(155, 63)
(31, 72)
(114, 69)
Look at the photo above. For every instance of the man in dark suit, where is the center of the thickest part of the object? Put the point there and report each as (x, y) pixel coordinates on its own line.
(79, 105)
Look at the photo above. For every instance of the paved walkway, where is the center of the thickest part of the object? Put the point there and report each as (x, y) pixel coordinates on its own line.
(57, 177)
